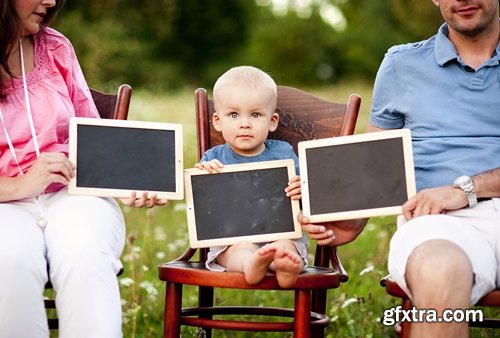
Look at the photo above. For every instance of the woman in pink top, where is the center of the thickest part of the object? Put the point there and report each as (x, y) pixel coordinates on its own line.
(81, 238)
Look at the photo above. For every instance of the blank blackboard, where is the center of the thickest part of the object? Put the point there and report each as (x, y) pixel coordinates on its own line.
(356, 176)
(244, 202)
(115, 157)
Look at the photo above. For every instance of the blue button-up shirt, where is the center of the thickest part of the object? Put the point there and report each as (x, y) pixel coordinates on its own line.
(452, 110)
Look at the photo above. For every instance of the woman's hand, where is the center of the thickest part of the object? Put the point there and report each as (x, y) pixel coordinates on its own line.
(143, 200)
(48, 168)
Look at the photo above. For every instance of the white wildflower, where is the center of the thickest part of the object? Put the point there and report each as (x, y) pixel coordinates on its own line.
(180, 207)
(369, 268)
(349, 301)
(126, 281)
(149, 288)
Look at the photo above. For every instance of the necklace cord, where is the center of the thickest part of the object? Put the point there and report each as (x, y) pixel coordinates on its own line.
(42, 222)
(28, 111)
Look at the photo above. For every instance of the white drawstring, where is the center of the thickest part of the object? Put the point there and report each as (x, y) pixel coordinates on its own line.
(42, 222)
(26, 99)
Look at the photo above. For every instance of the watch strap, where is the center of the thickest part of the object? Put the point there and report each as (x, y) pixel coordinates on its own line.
(468, 188)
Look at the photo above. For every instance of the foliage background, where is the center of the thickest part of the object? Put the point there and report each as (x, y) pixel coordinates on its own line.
(169, 44)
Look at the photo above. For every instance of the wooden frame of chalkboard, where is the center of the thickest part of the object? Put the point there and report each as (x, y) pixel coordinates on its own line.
(244, 202)
(115, 157)
(357, 176)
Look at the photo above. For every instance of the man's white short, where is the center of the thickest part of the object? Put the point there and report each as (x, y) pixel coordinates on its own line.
(475, 230)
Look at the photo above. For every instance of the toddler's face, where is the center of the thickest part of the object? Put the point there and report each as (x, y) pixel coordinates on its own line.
(245, 116)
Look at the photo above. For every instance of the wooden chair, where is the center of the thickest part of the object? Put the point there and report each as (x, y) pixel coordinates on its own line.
(110, 106)
(302, 117)
(491, 299)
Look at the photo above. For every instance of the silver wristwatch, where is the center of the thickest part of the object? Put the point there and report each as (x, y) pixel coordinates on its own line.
(465, 183)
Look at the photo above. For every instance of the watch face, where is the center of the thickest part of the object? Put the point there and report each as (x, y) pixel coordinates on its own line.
(462, 180)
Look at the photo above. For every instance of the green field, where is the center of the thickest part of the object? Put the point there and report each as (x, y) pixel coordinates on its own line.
(160, 234)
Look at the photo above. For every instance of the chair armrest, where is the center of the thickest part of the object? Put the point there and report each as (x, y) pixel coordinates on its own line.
(337, 264)
(186, 256)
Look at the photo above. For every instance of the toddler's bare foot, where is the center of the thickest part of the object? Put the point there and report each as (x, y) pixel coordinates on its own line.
(288, 265)
(258, 265)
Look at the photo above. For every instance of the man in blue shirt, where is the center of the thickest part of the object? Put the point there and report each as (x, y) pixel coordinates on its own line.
(446, 90)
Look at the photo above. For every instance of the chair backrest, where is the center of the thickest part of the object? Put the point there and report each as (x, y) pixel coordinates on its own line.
(113, 106)
(303, 117)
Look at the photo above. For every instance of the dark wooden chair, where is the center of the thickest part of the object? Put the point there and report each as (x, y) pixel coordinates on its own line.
(302, 117)
(402, 329)
(110, 106)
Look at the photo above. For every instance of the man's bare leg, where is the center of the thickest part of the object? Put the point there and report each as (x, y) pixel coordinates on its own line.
(439, 276)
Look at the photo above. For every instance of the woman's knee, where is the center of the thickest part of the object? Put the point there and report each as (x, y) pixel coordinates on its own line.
(24, 270)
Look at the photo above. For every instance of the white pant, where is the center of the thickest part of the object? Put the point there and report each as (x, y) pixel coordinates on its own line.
(475, 230)
(82, 242)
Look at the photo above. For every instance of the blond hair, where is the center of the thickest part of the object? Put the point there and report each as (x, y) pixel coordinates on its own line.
(247, 75)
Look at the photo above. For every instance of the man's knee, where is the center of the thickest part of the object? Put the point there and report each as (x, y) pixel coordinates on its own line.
(437, 267)
(438, 257)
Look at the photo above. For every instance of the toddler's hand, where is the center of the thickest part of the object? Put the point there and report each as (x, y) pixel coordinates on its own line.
(210, 166)
(293, 190)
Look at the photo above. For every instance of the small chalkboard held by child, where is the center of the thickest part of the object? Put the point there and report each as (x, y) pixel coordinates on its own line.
(243, 202)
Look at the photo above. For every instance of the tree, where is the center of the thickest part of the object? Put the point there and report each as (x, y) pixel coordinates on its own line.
(156, 44)
(294, 49)
(374, 26)
(171, 43)
(202, 33)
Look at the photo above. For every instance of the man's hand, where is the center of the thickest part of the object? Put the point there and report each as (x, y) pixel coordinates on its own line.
(435, 201)
(332, 233)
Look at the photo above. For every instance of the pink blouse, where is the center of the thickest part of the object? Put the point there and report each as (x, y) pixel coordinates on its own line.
(57, 91)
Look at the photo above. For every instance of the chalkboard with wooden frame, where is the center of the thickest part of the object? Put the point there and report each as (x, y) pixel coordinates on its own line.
(358, 176)
(115, 157)
(244, 202)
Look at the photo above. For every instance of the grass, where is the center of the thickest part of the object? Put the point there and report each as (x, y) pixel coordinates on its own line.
(160, 234)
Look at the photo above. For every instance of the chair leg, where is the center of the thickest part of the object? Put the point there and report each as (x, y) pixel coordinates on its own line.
(206, 299)
(319, 301)
(301, 320)
(405, 325)
(318, 333)
(173, 303)
(318, 305)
